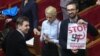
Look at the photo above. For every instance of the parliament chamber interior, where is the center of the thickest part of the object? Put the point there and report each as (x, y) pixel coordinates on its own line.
(91, 12)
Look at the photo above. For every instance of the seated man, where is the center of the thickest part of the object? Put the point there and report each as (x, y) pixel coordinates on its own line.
(14, 43)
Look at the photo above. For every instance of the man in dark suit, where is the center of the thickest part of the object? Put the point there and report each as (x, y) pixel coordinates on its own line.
(72, 9)
(15, 44)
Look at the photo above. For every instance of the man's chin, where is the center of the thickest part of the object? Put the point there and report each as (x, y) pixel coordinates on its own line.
(71, 16)
(25, 32)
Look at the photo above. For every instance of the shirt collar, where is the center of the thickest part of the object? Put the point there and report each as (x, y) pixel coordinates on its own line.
(21, 32)
(74, 20)
(54, 22)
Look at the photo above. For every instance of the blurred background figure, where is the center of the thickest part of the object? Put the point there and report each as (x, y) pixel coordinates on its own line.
(30, 10)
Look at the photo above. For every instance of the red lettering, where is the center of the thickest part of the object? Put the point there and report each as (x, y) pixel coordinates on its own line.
(77, 28)
(74, 28)
(69, 30)
(80, 28)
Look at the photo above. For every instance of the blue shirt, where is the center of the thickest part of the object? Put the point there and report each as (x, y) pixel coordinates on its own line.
(50, 29)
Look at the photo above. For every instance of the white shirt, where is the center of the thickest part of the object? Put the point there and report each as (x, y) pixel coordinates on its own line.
(52, 30)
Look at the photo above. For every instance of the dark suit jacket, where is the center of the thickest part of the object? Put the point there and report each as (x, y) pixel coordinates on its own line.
(63, 35)
(30, 10)
(15, 44)
(64, 28)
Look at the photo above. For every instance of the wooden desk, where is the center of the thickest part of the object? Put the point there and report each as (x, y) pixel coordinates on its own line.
(32, 50)
(35, 49)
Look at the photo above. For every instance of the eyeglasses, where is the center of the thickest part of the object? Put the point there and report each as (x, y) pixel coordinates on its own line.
(71, 9)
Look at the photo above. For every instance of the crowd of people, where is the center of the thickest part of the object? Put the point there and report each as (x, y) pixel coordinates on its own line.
(53, 33)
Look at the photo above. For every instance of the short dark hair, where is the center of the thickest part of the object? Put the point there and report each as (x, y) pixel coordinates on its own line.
(21, 19)
(75, 3)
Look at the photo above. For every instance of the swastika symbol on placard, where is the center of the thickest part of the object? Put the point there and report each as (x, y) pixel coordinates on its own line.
(77, 37)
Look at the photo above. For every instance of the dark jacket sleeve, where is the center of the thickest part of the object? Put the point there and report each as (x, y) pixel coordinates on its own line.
(35, 14)
(20, 45)
(22, 48)
(92, 30)
(63, 35)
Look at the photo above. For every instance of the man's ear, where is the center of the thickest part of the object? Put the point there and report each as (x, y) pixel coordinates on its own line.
(77, 10)
(19, 26)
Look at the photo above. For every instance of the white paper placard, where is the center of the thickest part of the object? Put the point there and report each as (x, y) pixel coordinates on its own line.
(76, 38)
(30, 41)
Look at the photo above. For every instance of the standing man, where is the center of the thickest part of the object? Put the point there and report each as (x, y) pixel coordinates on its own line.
(15, 44)
(72, 9)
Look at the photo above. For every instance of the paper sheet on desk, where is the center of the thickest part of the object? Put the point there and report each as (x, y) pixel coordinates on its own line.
(30, 41)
